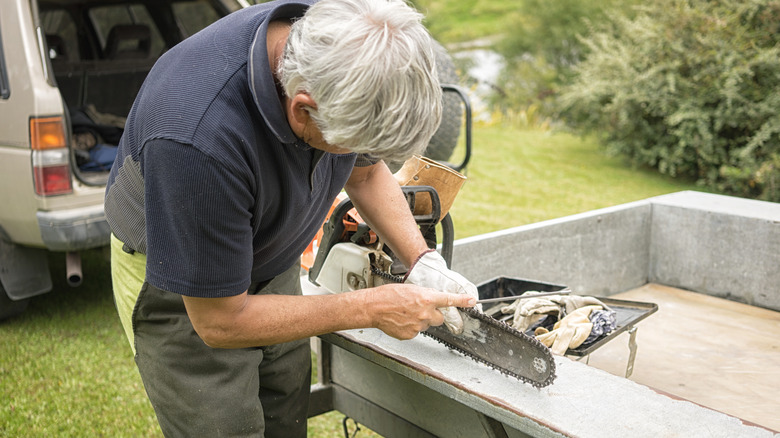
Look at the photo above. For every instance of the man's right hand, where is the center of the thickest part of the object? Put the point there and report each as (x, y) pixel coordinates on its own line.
(404, 310)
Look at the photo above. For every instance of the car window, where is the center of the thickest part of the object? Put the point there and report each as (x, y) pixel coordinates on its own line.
(192, 16)
(61, 35)
(127, 15)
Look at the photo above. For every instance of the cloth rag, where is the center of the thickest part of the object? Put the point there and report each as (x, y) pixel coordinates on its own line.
(569, 332)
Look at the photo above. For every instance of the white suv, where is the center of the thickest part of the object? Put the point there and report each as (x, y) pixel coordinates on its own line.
(69, 71)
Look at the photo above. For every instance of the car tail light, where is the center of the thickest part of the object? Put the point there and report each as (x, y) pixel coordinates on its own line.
(50, 156)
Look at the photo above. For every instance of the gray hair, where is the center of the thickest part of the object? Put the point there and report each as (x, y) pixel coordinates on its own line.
(370, 67)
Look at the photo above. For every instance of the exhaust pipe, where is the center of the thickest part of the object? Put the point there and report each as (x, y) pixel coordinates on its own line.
(73, 268)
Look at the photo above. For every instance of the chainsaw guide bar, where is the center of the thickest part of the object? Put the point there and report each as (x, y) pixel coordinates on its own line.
(494, 343)
(499, 346)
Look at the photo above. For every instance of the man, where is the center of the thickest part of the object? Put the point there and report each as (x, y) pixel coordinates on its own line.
(235, 148)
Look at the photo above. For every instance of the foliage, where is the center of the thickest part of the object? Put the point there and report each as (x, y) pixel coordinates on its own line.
(458, 21)
(690, 87)
(549, 30)
(527, 81)
(541, 45)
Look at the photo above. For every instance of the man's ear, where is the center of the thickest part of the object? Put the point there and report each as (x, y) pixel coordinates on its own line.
(298, 113)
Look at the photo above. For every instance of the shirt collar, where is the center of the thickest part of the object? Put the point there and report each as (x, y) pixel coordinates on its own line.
(261, 79)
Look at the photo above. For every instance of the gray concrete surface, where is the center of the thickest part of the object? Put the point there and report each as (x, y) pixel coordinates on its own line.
(582, 402)
(600, 252)
(719, 245)
(712, 351)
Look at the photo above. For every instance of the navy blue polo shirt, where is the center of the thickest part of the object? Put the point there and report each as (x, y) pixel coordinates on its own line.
(210, 181)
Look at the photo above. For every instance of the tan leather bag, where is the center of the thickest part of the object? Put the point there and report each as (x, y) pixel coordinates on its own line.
(422, 171)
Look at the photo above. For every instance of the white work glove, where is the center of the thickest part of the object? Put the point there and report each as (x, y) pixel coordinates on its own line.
(571, 303)
(431, 271)
(529, 311)
(570, 332)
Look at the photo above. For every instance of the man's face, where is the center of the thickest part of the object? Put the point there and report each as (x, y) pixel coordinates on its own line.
(313, 137)
(297, 111)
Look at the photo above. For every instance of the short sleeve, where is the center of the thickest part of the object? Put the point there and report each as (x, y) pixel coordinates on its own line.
(198, 222)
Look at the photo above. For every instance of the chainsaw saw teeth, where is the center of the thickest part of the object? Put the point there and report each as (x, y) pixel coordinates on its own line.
(509, 351)
(349, 258)
(499, 346)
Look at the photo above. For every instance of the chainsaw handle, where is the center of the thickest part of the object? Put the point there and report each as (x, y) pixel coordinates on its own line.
(333, 229)
(431, 219)
(447, 239)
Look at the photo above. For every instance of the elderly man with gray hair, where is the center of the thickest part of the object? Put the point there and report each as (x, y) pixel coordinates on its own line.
(237, 144)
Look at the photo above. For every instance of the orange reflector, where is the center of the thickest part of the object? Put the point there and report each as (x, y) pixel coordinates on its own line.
(52, 180)
(47, 133)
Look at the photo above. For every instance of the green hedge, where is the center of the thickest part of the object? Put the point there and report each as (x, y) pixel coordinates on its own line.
(690, 87)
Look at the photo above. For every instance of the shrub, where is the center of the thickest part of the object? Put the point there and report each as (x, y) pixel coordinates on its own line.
(690, 87)
(541, 44)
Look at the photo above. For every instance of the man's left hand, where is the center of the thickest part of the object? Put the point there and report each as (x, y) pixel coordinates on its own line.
(431, 271)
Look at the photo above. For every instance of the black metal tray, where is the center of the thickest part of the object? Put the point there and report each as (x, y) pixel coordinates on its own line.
(508, 287)
(628, 313)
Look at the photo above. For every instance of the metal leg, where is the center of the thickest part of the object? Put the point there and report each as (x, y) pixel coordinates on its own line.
(493, 428)
(321, 396)
(631, 351)
(346, 429)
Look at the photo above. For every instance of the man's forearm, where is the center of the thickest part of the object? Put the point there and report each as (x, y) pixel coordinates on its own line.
(257, 320)
(381, 203)
(400, 310)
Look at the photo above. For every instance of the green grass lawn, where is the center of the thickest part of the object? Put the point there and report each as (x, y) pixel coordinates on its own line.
(66, 368)
(517, 177)
(466, 20)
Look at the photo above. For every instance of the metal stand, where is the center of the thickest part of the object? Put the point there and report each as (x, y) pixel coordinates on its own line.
(631, 351)
(632, 346)
(346, 428)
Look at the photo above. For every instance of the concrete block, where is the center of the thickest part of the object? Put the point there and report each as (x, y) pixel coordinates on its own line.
(600, 252)
(718, 245)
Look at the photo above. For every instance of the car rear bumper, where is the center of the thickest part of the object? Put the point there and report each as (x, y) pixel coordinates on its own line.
(74, 229)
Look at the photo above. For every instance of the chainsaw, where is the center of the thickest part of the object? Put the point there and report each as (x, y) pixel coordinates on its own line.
(350, 256)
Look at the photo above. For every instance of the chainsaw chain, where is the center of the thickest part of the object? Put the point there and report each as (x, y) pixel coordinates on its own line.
(492, 321)
(548, 357)
(386, 275)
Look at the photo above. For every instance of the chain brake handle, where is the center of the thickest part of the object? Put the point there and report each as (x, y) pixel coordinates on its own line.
(429, 219)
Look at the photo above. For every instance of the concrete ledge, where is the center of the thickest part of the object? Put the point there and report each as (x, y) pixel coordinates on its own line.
(600, 252)
(718, 245)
